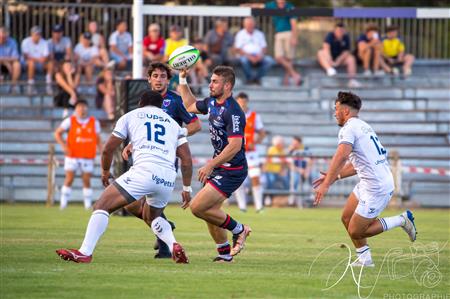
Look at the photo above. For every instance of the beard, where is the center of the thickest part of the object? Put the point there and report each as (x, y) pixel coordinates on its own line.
(216, 94)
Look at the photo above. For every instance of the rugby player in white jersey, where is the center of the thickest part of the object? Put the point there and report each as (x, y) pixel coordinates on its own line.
(156, 139)
(368, 159)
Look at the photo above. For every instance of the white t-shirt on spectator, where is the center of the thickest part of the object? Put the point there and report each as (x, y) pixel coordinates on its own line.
(33, 50)
(121, 41)
(86, 54)
(251, 43)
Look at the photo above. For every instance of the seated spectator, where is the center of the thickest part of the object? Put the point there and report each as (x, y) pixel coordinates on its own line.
(35, 57)
(67, 79)
(370, 49)
(301, 166)
(106, 92)
(218, 42)
(98, 41)
(394, 53)
(87, 56)
(251, 47)
(285, 40)
(121, 46)
(154, 45)
(174, 41)
(9, 59)
(336, 52)
(276, 167)
(59, 46)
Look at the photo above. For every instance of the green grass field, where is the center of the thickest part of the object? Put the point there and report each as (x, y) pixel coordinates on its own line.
(275, 263)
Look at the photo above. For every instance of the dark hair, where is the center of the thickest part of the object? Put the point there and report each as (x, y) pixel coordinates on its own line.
(161, 66)
(349, 99)
(120, 21)
(226, 72)
(298, 138)
(339, 25)
(391, 28)
(371, 27)
(81, 102)
(150, 98)
(242, 95)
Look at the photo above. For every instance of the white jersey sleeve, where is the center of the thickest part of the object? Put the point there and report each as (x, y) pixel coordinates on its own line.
(121, 128)
(347, 135)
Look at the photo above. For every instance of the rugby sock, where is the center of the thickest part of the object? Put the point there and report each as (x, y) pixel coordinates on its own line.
(224, 250)
(258, 197)
(363, 253)
(232, 225)
(241, 198)
(87, 194)
(96, 227)
(391, 222)
(162, 229)
(65, 196)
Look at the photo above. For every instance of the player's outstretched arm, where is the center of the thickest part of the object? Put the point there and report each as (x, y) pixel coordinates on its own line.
(188, 98)
(336, 165)
(107, 157)
(184, 153)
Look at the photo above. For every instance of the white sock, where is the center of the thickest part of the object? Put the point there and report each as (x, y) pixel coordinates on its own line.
(161, 227)
(364, 253)
(257, 197)
(48, 78)
(96, 227)
(241, 197)
(65, 196)
(391, 222)
(87, 194)
(238, 229)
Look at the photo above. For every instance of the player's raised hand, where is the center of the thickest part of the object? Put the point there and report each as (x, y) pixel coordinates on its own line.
(126, 153)
(316, 183)
(204, 173)
(186, 197)
(184, 73)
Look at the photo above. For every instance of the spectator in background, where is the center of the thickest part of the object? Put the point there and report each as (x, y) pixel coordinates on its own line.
(59, 46)
(336, 52)
(35, 57)
(285, 40)
(80, 148)
(174, 41)
(9, 59)
(394, 53)
(98, 41)
(251, 47)
(106, 92)
(67, 79)
(301, 166)
(154, 45)
(276, 166)
(200, 74)
(87, 56)
(370, 50)
(218, 43)
(121, 46)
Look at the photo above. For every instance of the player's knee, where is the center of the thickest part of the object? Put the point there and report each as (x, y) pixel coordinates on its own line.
(345, 220)
(354, 233)
(196, 210)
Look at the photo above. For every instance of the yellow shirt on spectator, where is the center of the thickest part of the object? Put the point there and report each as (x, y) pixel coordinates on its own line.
(271, 166)
(393, 47)
(171, 45)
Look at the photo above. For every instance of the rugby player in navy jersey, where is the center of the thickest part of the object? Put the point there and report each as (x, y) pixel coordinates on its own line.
(159, 76)
(228, 169)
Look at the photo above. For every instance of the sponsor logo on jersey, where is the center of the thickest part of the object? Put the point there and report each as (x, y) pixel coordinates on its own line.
(161, 181)
(236, 119)
(142, 115)
(366, 130)
(218, 123)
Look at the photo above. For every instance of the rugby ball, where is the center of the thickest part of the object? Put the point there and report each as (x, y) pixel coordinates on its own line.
(184, 57)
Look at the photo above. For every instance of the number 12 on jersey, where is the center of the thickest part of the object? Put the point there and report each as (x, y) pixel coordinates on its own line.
(377, 143)
(159, 130)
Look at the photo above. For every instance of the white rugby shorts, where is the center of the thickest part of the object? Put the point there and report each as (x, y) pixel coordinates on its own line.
(73, 164)
(370, 204)
(154, 182)
(253, 162)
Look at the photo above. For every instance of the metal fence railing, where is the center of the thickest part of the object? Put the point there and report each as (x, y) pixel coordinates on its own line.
(425, 38)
